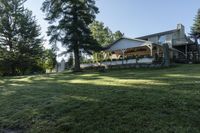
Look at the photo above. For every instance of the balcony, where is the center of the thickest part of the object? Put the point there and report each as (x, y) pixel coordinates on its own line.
(182, 41)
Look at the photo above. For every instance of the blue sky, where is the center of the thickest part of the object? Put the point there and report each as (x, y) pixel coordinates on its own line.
(136, 17)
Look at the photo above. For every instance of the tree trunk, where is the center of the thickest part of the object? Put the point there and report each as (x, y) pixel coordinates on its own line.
(77, 60)
(197, 45)
(13, 72)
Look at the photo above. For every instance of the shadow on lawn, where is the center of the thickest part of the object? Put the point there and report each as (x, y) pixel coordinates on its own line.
(92, 102)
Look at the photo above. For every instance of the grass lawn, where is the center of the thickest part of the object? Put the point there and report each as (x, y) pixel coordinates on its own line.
(119, 101)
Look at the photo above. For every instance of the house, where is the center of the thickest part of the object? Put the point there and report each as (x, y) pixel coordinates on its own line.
(129, 51)
(126, 48)
(181, 46)
(147, 49)
(177, 40)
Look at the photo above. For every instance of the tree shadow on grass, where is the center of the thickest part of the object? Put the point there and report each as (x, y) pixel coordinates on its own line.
(99, 108)
(106, 102)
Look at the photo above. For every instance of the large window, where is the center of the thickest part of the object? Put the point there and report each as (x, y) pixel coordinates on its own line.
(162, 39)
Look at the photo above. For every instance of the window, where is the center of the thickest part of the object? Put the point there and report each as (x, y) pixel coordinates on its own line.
(162, 39)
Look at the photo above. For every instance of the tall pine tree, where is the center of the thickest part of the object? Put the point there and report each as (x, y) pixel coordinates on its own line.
(195, 30)
(20, 44)
(69, 21)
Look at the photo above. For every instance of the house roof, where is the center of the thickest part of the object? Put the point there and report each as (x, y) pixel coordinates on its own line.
(110, 45)
(139, 43)
(158, 34)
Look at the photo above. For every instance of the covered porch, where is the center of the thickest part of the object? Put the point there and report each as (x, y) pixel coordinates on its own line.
(128, 49)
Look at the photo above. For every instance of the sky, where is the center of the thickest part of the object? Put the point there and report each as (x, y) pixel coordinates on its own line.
(135, 18)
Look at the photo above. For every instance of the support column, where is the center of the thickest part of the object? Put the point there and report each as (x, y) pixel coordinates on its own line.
(123, 55)
(151, 51)
(186, 51)
(158, 50)
(111, 58)
(150, 46)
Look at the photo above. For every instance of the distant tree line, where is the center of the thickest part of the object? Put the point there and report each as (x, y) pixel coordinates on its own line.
(21, 47)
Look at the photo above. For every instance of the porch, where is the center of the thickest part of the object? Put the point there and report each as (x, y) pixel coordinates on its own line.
(128, 51)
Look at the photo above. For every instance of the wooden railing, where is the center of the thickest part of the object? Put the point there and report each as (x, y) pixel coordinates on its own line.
(180, 41)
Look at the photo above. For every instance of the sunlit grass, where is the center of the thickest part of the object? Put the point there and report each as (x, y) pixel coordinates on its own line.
(130, 100)
(112, 82)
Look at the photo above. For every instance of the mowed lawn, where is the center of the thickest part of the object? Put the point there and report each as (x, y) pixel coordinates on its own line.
(118, 101)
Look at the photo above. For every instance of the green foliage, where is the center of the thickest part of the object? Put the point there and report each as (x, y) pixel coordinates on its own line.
(69, 21)
(103, 35)
(98, 57)
(195, 30)
(20, 44)
(117, 35)
(49, 59)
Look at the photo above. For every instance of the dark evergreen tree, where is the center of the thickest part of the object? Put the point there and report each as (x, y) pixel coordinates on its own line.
(70, 61)
(69, 21)
(195, 31)
(20, 44)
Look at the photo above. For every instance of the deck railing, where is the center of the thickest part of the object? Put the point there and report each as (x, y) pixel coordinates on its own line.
(180, 41)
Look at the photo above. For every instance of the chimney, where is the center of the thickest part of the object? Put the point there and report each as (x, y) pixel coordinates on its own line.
(180, 27)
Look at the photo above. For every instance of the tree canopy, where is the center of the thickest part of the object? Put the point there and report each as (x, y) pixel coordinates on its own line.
(49, 59)
(103, 35)
(20, 41)
(195, 30)
(117, 35)
(69, 20)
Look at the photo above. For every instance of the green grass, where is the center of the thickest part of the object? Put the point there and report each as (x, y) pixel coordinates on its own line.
(119, 101)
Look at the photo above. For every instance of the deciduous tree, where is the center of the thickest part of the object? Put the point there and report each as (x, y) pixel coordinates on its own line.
(103, 35)
(49, 59)
(117, 35)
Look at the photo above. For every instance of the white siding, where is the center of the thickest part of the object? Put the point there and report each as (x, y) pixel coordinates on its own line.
(169, 40)
(154, 39)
